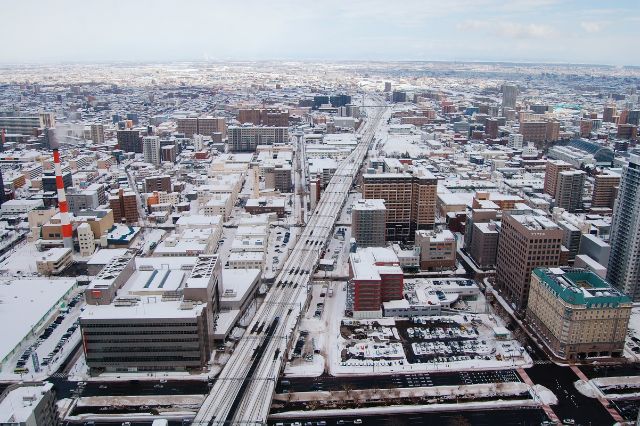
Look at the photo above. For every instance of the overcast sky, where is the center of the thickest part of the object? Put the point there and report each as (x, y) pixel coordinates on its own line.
(577, 31)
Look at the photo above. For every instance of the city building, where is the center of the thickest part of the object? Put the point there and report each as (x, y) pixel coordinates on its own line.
(368, 222)
(569, 190)
(526, 242)
(86, 239)
(158, 183)
(605, 189)
(577, 314)
(515, 141)
(97, 133)
(151, 149)
(410, 200)
(247, 138)
(264, 117)
(124, 205)
(624, 263)
(509, 96)
(553, 169)
(129, 140)
(484, 244)
(539, 132)
(376, 277)
(29, 404)
(437, 249)
(54, 261)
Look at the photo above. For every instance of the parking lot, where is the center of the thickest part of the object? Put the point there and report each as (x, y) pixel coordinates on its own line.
(52, 344)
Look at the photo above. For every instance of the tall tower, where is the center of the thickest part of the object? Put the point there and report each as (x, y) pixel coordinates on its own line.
(509, 96)
(67, 231)
(624, 263)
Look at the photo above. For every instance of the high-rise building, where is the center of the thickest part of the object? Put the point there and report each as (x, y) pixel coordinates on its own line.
(491, 128)
(124, 206)
(30, 125)
(509, 96)
(151, 149)
(247, 138)
(577, 314)
(608, 113)
(605, 189)
(129, 140)
(526, 242)
(209, 126)
(634, 117)
(198, 142)
(569, 190)
(624, 262)
(264, 117)
(554, 167)
(586, 126)
(410, 199)
(368, 220)
(97, 133)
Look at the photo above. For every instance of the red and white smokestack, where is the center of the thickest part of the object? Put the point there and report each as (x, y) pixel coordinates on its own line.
(67, 231)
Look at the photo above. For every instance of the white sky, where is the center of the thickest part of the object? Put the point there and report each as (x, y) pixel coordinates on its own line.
(583, 31)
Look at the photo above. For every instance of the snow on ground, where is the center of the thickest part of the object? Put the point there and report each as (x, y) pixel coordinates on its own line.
(483, 390)
(302, 368)
(632, 344)
(106, 401)
(587, 389)
(397, 145)
(397, 409)
(545, 395)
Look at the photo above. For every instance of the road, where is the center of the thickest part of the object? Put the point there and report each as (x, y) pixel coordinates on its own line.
(244, 390)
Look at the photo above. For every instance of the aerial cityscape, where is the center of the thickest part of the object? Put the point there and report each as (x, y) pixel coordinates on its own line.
(395, 233)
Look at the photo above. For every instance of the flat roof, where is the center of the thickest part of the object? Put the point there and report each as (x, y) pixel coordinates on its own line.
(18, 405)
(23, 303)
(146, 308)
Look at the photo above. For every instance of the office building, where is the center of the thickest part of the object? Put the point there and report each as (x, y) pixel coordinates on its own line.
(586, 126)
(129, 140)
(526, 242)
(624, 262)
(577, 314)
(368, 222)
(437, 249)
(539, 132)
(29, 404)
(151, 149)
(88, 198)
(188, 126)
(124, 206)
(97, 134)
(509, 96)
(86, 239)
(376, 277)
(410, 200)
(484, 244)
(553, 168)
(569, 190)
(247, 138)
(605, 189)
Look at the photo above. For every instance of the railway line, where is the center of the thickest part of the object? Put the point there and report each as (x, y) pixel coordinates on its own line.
(238, 397)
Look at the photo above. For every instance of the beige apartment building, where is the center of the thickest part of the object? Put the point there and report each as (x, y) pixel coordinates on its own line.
(577, 314)
(605, 189)
(553, 169)
(410, 199)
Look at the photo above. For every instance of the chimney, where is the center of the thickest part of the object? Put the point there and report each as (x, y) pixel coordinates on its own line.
(67, 231)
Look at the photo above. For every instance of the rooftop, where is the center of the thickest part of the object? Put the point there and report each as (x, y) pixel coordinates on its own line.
(581, 287)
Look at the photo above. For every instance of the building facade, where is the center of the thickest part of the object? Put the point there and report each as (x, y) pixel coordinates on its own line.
(368, 223)
(624, 263)
(577, 314)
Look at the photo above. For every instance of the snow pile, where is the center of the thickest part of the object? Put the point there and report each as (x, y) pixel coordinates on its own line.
(545, 395)
(586, 389)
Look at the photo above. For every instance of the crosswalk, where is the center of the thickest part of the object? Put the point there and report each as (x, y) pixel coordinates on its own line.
(60, 375)
(541, 362)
